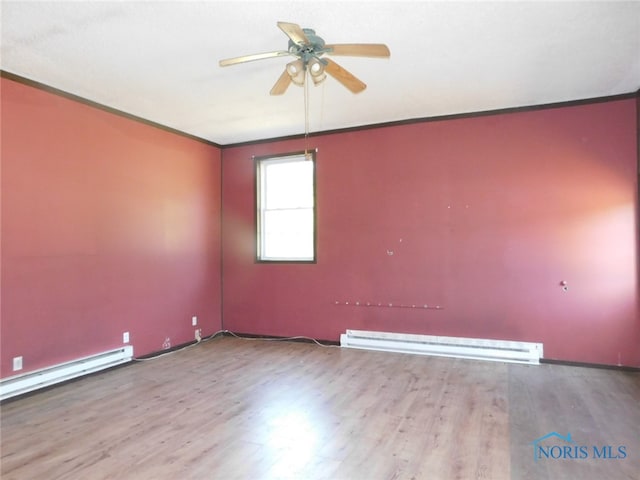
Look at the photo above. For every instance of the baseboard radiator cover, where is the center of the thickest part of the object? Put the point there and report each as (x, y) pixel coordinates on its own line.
(458, 347)
(30, 381)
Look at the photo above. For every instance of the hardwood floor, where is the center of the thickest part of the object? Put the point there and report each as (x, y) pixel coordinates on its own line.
(252, 409)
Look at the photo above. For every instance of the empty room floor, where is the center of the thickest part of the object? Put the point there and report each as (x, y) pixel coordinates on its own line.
(232, 408)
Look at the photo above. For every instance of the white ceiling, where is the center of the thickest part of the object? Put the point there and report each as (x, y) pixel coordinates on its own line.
(159, 59)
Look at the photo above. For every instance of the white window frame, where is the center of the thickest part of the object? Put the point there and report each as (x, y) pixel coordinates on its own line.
(261, 188)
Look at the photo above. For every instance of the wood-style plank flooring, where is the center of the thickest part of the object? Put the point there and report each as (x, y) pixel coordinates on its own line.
(253, 409)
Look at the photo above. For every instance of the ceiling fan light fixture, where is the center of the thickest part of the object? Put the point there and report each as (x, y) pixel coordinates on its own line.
(298, 79)
(295, 70)
(316, 70)
(316, 67)
(295, 67)
(317, 79)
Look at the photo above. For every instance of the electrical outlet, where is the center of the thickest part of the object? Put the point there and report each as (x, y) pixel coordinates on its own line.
(198, 334)
(17, 363)
(125, 337)
(194, 320)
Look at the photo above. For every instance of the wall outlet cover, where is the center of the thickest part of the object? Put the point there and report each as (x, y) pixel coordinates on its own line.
(17, 363)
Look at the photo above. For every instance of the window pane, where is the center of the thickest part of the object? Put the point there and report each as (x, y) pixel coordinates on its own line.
(288, 234)
(289, 185)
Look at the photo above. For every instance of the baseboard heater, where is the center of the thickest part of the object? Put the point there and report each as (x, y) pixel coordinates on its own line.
(472, 348)
(19, 384)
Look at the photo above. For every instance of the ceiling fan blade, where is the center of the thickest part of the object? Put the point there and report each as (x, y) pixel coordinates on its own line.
(282, 84)
(250, 58)
(359, 49)
(344, 77)
(294, 32)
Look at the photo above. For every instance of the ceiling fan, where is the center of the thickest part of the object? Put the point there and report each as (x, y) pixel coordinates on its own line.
(310, 50)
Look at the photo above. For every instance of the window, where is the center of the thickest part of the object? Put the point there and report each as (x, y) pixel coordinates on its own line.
(286, 208)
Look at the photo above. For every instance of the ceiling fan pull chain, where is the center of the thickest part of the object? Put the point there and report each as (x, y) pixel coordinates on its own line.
(321, 122)
(306, 114)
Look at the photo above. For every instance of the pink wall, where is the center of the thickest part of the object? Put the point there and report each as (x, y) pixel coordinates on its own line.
(108, 225)
(481, 216)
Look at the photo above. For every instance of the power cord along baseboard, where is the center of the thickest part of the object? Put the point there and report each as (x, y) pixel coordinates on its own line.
(200, 340)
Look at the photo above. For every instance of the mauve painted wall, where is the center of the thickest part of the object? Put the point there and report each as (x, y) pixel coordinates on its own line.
(108, 225)
(483, 217)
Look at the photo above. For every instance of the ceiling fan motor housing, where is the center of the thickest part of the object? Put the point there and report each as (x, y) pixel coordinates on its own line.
(314, 48)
